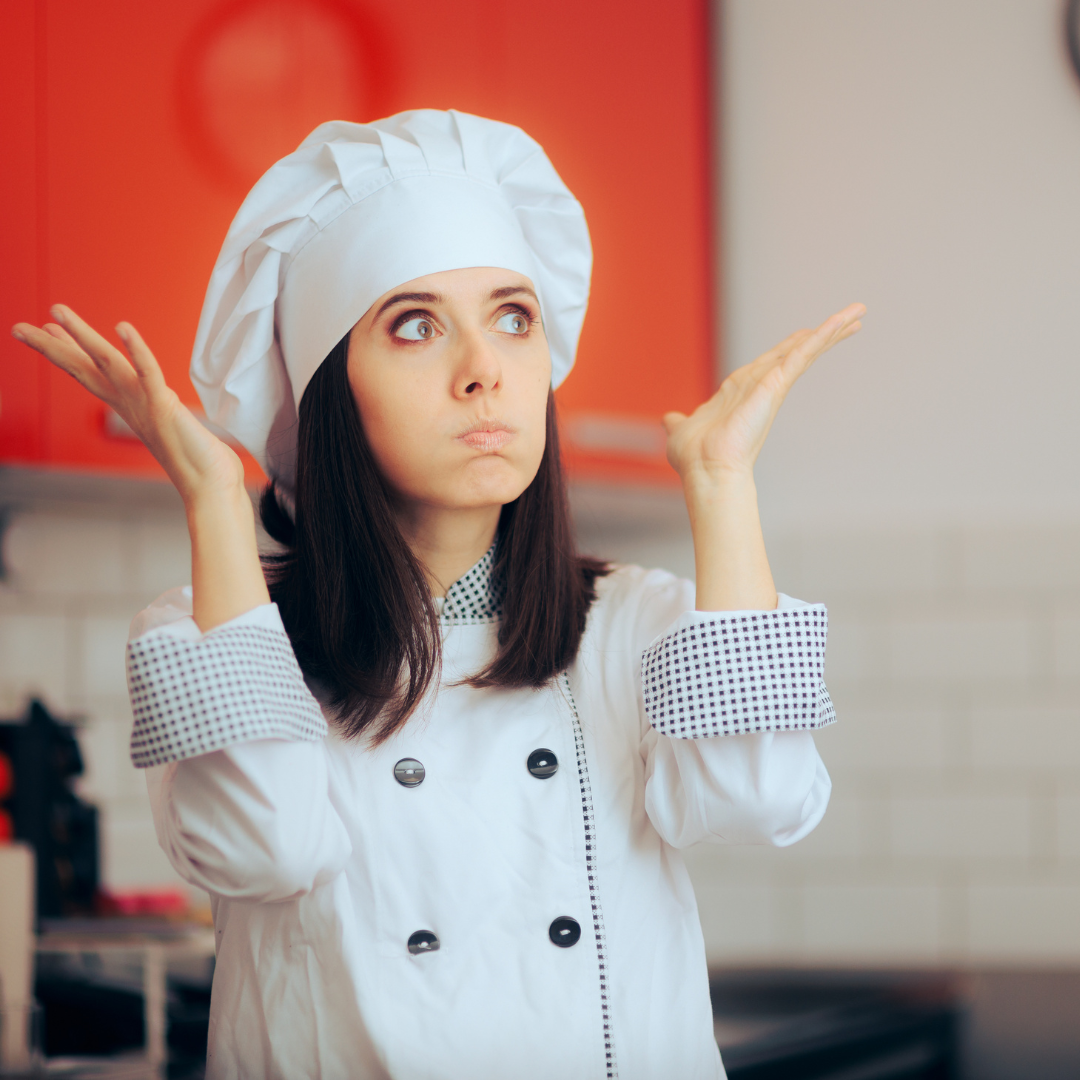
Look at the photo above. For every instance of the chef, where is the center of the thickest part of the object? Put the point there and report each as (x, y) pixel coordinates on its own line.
(433, 767)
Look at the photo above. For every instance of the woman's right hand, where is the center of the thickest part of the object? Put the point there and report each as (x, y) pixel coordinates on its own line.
(226, 574)
(197, 462)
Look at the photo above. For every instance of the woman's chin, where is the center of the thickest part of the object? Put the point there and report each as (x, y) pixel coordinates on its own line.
(491, 480)
(491, 490)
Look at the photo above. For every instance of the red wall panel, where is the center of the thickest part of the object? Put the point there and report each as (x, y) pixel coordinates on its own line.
(138, 128)
(22, 283)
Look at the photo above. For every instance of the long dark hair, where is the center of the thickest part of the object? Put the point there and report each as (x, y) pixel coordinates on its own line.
(356, 601)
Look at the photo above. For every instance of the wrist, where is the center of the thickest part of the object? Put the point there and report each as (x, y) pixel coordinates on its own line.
(709, 486)
(217, 503)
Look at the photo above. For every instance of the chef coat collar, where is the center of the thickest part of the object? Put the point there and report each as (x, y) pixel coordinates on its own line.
(477, 596)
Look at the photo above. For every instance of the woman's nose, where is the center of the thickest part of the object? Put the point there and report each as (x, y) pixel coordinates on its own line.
(478, 366)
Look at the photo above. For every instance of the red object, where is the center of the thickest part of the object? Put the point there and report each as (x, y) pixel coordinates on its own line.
(156, 902)
(7, 828)
(7, 777)
(132, 132)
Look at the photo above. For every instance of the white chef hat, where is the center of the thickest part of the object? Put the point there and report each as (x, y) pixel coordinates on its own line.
(357, 210)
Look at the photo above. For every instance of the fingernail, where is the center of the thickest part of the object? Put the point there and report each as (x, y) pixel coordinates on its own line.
(122, 331)
(56, 312)
(17, 336)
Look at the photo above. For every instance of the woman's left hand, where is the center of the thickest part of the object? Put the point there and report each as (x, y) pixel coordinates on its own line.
(721, 439)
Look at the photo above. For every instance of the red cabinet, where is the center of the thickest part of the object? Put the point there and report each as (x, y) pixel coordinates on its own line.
(131, 132)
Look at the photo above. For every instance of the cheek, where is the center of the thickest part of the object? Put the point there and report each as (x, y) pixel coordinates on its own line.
(393, 418)
(538, 432)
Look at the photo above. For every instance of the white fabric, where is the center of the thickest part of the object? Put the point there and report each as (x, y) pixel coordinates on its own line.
(355, 211)
(320, 866)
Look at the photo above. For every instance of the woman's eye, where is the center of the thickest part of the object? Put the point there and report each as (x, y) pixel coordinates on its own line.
(513, 322)
(418, 329)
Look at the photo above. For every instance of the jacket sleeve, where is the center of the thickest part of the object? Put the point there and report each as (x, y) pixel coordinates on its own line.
(730, 701)
(234, 746)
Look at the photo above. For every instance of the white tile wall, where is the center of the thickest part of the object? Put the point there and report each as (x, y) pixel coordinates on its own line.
(941, 824)
(1065, 643)
(1027, 736)
(954, 660)
(945, 643)
(1067, 828)
(740, 919)
(887, 738)
(850, 921)
(1026, 921)
(74, 579)
(34, 654)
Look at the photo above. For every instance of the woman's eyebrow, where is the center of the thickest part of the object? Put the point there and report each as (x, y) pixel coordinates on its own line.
(409, 298)
(512, 290)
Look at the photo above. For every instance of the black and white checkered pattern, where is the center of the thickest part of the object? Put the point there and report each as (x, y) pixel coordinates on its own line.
(235, 684)
(478, 596)
(740, 673)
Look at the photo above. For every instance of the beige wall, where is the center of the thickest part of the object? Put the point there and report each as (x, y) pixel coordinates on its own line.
(922, 156)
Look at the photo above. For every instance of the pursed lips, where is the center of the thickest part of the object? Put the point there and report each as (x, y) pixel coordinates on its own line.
(487, 436)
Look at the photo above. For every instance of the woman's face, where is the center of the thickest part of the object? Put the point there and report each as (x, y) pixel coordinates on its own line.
(450, 373)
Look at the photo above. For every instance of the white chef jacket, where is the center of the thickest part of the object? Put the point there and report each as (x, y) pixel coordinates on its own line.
(671, 727)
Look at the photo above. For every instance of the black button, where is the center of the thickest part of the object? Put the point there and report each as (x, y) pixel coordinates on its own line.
(409, 772)
(542, 764)
(424, 941)
(564, 931)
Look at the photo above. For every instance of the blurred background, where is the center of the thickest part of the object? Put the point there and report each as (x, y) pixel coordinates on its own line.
(747, 167)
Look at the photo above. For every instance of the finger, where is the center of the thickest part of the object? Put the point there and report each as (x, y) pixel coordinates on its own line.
(844, 320)
(67, 356)
(106, 357)
(672, 420)
(792, 340)
(853, 312)
(835, 325)
(779, 351)
(142, 359)
(62, 351)
(776, 356)
(58, 331)
(851, 328)
(833, 330)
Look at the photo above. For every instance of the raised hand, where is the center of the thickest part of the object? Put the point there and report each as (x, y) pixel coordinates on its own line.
(714, 450)
(195, 460)
(725, 434)
(226, 574)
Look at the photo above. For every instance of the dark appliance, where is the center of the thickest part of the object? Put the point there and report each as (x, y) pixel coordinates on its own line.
(836, 1026)
(44, 811)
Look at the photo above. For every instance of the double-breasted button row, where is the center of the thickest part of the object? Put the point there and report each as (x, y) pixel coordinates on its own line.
(564, 932)
(543, 764)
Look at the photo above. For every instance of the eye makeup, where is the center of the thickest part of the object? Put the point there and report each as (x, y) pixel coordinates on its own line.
(517, 309)
(412, 314)
(407, 317)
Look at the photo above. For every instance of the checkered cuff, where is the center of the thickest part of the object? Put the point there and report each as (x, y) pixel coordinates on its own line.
(239, 682)
(739, 672)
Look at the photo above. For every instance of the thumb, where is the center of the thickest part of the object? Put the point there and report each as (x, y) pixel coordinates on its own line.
(672, 420)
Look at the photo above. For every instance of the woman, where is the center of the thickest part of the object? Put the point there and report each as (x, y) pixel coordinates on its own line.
(453, 850)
